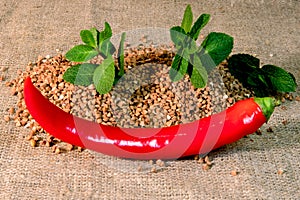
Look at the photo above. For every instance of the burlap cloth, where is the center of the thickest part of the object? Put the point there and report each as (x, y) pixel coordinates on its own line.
(269, 28)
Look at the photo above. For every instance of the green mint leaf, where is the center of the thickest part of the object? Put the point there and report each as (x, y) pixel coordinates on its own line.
(198, 25)
(107, 48)
(121, 55)
(190, 46)
(81, 53)
(199, 75)
(81, 74)
(178, 35)
(214, 49)
(292, 75)
(187, 20)
(280, 79)
(96, 35)
(104, 75)
(88, 38)
(106, 33)
(178, 68)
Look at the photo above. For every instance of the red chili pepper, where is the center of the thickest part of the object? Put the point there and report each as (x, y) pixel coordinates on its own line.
(197, 137)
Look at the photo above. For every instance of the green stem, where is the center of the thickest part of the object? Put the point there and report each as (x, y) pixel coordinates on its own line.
(267, 104)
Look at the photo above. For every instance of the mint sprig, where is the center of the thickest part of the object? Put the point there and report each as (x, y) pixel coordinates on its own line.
(266, 80)
(192, 59)
(197, 61)
(96, 43)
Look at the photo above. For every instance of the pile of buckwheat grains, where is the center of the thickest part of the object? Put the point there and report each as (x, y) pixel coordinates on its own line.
(144, 97)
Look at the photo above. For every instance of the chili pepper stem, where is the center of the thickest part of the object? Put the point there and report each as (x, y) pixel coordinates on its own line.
(267, 104)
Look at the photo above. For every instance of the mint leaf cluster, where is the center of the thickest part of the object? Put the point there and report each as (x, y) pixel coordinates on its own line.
(266, 80)
(96, 43)
(197, 61)
(191, 59)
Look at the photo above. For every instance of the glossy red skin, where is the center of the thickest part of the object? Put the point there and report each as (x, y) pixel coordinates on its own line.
(198, 137)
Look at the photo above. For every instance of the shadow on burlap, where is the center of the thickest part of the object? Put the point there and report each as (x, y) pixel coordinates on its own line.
(269, 29)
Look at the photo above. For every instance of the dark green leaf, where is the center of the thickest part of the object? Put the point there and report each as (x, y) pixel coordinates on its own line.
(246, 69)
(187, 20)
(96, 35)
(81, 74)
(243, 61)
(121, 55)
(178, 68)
(257, 79)
(280, 79)
(173, 73)
(214, 49)
(198, 25)
(88, 38)
(107, 48)
(261, 92)
(178, 35)
(199, 74)
(104, 76)
(81, 53)
(264, 81)
(242, 65)
(292, 75)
